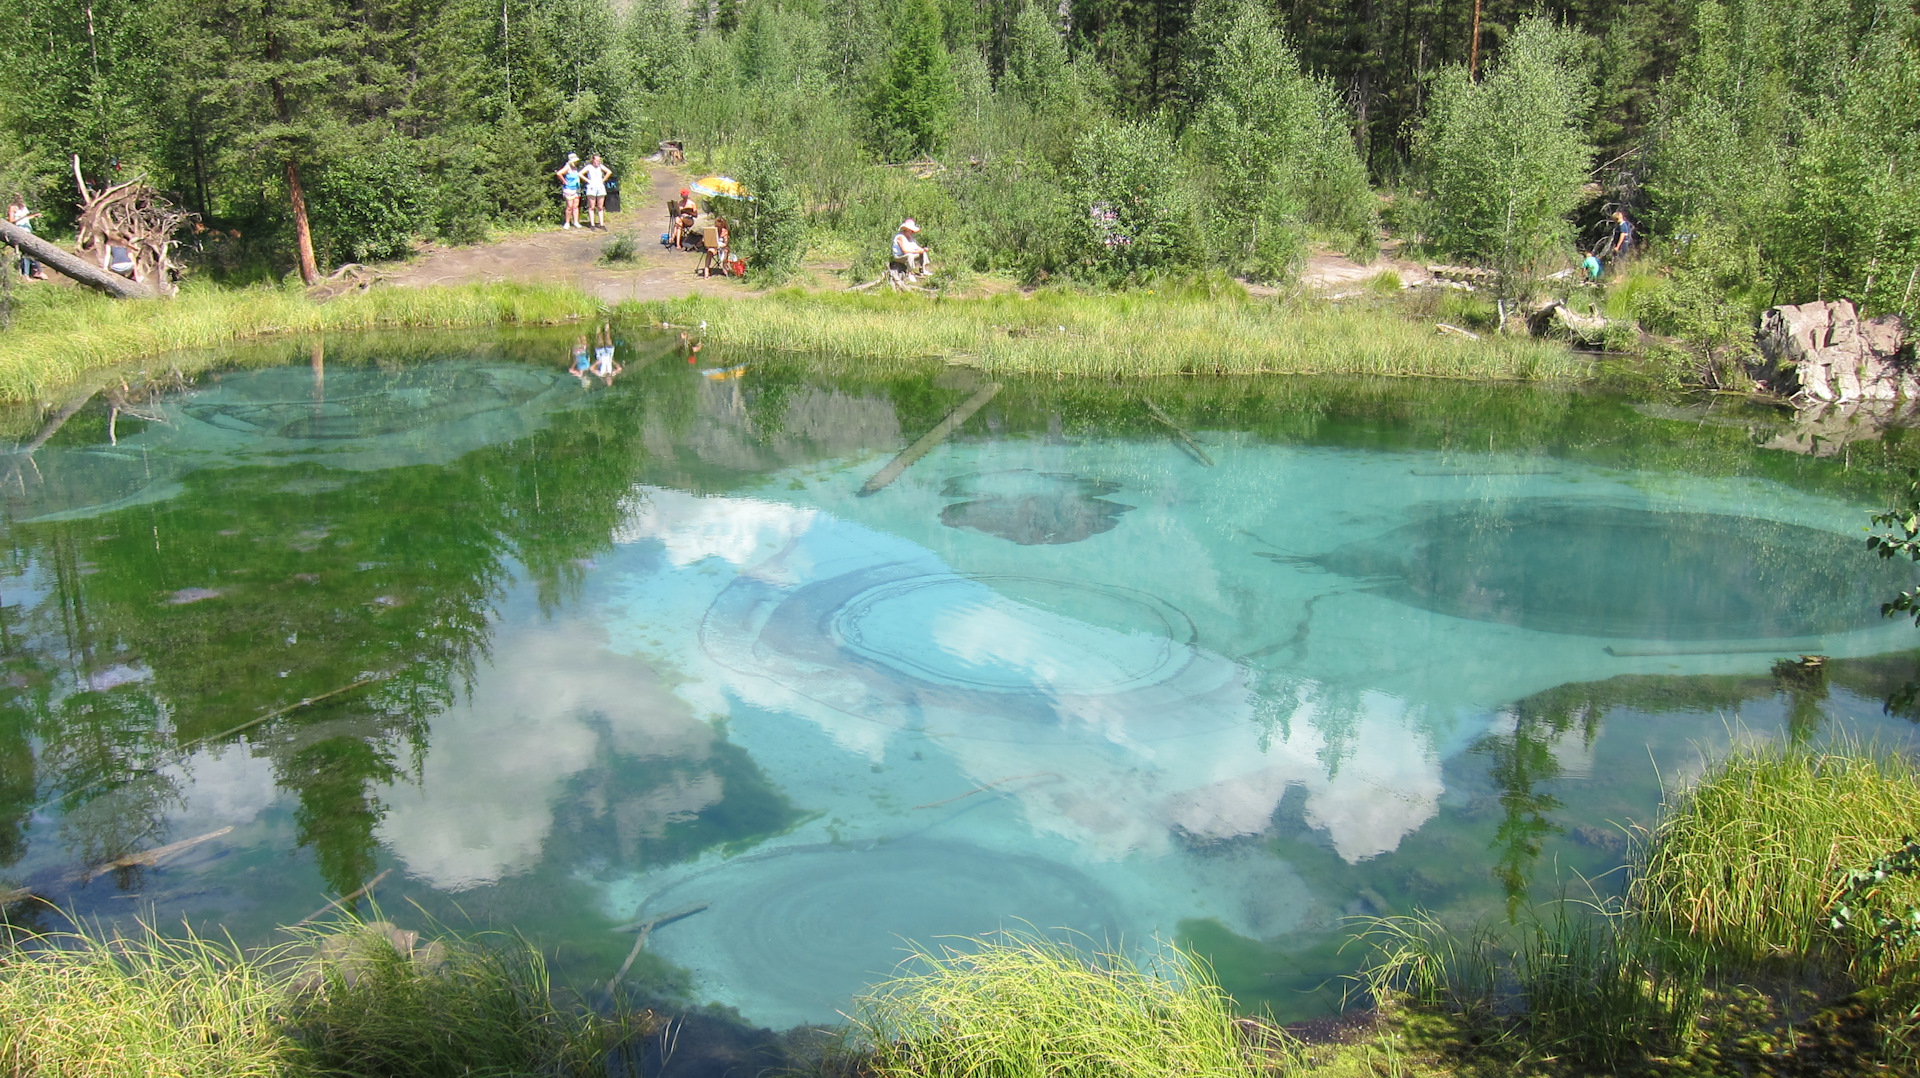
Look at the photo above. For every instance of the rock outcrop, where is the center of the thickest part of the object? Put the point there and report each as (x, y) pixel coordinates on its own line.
(1823, 352)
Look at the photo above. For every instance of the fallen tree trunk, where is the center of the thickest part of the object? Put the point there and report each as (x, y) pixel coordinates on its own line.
(72, 265)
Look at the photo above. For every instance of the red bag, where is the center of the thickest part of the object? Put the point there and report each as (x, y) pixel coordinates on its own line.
(737, 268)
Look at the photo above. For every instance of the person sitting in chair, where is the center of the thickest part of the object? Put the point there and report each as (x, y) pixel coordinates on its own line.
(717, 252)
(683, 219)
(908, 253)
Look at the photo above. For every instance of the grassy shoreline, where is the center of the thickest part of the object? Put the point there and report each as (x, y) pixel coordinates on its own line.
(1130, 334)
(55, 345)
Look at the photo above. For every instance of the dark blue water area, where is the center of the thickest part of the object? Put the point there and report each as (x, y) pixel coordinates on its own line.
(565, 655)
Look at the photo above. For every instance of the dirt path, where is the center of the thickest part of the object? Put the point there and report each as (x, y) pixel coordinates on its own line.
(656, 272)
(572, 257)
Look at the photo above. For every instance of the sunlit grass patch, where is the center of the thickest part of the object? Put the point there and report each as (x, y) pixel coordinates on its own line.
(1749, 860)
(1141, 333)
(59, 341)
(85, 1006)
(350, 999)
(1018, 1006)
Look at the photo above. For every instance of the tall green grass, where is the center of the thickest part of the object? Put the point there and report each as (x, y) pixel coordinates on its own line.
(1737, 878)
(1023, 1007)
(1748, 860)
(83, 1006)
(62, 339)
(1585, 982)
(1117, 335)
(351, 1000)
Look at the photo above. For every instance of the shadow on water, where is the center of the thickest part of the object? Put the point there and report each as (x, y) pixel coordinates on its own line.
(344, 548)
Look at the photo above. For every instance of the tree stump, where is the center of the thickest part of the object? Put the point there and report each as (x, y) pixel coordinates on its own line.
(133, 216)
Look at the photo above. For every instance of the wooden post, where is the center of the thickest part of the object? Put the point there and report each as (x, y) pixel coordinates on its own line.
(72, 265)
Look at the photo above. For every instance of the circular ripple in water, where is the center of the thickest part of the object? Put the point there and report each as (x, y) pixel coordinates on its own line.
(894, 643)
(791, 936)
(1017, 634)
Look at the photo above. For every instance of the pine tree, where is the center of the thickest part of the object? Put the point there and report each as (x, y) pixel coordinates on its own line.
(912, 102)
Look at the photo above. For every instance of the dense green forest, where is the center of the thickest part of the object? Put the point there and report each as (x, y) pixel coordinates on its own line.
(1768, 149)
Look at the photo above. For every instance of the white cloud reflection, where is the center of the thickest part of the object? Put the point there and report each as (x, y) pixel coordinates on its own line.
(1120, 740)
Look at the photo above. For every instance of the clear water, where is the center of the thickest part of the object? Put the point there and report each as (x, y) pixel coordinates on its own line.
(578, 655)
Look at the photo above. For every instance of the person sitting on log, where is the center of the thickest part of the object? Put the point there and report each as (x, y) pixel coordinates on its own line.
(120, 260)
(908, 254)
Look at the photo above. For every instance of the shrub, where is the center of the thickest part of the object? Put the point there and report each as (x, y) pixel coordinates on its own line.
(367, 206)
(1275, 146)
(1504, 158)
(1130, 209)
(769, 232)
(618, 249)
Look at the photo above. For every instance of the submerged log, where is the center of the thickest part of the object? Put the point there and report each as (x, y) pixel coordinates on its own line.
(646, 929)
(934, 437)
(343, 900)
(1162, 418)
(149, 857)
(72, 265)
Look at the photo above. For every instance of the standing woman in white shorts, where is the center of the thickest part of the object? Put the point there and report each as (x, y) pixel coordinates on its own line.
(596, 174)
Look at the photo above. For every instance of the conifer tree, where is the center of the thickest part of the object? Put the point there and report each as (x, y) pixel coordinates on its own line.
(912, 102)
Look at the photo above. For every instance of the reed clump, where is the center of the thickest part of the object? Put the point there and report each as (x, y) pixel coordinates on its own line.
(81, 1006)
(1726, 945)
(1583, 981)
(1130, 334)
(1019, 1006)
(351, 999)
(61, 340)
(1750, 860)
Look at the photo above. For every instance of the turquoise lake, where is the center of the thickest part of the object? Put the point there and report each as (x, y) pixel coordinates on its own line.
(559, 654)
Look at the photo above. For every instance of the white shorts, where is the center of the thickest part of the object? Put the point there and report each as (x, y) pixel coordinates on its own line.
(596, 191)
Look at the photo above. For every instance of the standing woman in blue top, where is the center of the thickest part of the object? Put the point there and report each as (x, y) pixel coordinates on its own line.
(570, 186)
(1623, 235)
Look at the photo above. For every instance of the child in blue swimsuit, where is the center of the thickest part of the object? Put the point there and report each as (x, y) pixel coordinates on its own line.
(581, 363)
(569, 175)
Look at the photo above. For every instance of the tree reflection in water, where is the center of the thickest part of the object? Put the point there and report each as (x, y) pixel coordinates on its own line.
(142, 631)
